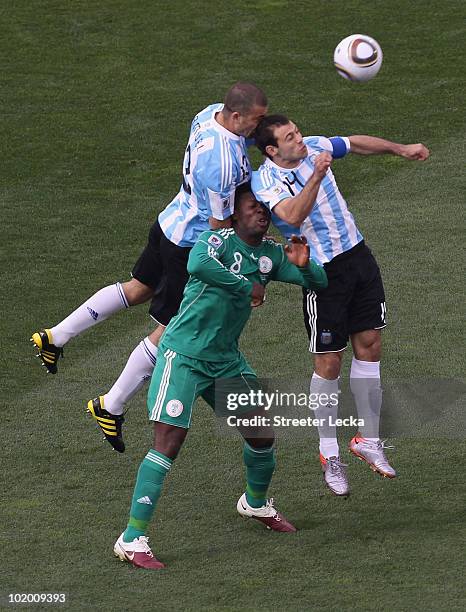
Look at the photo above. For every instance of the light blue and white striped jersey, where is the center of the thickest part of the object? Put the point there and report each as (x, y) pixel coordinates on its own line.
(330, 228)
(215, 163)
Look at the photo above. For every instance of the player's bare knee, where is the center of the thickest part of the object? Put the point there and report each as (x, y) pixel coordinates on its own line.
(367, 346)
(136, 292)
(262, 443)
(168, 439)
(155, 336)
(374, 350)
(328, 365)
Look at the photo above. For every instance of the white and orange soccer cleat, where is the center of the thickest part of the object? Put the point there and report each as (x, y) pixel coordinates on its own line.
(334, 473)
(373, 454)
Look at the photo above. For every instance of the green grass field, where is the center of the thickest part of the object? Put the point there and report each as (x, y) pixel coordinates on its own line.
(97, 99)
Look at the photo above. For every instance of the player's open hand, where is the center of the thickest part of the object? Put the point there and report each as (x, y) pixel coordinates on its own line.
(257, 295)
(321, 163)
(415, 152)
(298, 251)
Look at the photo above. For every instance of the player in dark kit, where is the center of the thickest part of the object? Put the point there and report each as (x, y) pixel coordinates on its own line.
(229, 269)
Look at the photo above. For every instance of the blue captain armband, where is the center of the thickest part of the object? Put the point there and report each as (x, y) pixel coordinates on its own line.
(341, 146)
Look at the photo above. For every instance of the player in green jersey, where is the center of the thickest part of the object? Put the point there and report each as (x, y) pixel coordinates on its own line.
(228, 271)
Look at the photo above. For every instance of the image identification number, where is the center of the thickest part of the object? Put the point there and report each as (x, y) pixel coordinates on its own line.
(22, 598)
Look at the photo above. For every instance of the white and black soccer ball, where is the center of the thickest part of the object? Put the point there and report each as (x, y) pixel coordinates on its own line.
(358, 58)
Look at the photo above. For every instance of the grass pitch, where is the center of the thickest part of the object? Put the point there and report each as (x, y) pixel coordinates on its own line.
(97, 103)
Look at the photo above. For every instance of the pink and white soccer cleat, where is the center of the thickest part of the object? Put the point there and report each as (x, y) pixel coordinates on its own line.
(267, 514)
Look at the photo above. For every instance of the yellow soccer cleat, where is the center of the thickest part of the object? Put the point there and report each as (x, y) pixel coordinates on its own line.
(47, 351)
(110, 424)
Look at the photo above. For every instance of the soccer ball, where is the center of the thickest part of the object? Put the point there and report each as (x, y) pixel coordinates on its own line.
(358, 58)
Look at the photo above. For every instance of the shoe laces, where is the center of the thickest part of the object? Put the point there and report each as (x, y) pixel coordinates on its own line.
(381, 445)
(144, 547)
(269, 506)
(336, 466)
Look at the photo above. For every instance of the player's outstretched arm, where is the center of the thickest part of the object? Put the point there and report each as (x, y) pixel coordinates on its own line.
(371, 145)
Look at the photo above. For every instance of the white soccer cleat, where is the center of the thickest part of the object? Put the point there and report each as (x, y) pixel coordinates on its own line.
(267, 514)
(137, 552)
(334, 473)
(373, 454)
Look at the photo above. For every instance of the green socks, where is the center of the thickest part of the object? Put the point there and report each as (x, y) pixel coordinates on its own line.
(260, 464)
(151, 475)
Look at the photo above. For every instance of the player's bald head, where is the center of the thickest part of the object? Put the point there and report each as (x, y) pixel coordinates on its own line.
(242, 97)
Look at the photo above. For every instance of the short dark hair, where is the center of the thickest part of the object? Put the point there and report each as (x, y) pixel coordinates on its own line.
(245, 189)
(240, 190)
(264, 132)
(242, 97)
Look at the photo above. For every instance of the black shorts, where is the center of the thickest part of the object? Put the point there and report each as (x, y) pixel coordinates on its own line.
(354, 301)
(162, 266)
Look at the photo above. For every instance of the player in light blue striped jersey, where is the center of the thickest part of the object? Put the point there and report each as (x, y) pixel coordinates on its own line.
(329, 227)
(215, 163)
(297, 184)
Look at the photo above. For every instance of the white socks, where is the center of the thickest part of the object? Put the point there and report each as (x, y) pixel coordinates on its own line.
(325, 393)
(137, 370)
(141, 362)
(97, 308)
(367, 392)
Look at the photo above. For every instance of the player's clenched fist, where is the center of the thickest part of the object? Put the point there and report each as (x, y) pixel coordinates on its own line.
(416, 152)
(322, 163)
(298, 251)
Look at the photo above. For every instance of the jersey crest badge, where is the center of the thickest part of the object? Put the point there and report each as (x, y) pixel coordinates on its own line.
(174, 408)
(326, 337)
(265, 264)
(215, 241)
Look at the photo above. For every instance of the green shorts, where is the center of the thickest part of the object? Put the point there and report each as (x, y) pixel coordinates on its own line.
(178, 381)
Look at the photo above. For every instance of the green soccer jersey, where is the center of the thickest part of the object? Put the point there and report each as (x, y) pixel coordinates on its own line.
(217, 298)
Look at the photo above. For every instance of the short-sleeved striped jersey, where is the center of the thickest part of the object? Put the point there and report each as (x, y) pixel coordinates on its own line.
(215, 163)
(330, 228)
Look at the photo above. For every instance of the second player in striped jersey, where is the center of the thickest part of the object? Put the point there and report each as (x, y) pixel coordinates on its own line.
(215, 163)
(298, 186)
